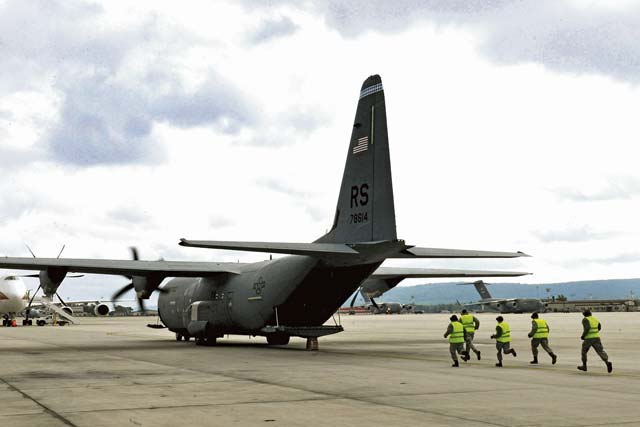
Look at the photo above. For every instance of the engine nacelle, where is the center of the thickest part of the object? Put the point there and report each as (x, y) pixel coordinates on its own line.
(145, 285)
(50, 279)
(101, 309)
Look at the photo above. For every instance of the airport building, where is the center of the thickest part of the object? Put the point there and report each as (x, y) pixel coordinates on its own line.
(619, 305)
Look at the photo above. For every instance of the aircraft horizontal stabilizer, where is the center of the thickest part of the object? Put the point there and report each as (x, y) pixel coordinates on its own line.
(372, 251)
(416, 252)
(311, 249)
(416, 273)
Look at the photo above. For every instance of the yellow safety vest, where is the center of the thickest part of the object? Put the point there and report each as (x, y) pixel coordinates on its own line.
(593, 328)
(457, 336)
(543, 329)
(468, 323)
(506, 332)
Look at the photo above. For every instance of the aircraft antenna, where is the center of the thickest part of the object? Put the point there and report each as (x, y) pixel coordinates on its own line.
(32, 254)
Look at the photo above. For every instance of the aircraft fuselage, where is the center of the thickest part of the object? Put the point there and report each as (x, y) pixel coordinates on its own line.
(12, 295)
(290, 291)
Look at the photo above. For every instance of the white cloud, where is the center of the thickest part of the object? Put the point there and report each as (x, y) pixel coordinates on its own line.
(252, 140)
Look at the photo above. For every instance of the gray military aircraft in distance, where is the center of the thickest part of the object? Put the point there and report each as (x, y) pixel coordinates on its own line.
(504, 305)
(293, 295)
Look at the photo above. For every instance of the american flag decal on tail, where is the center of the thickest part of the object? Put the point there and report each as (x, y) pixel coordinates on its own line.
(362, 145)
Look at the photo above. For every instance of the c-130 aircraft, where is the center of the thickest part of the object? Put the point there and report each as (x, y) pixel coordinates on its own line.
(296, 294)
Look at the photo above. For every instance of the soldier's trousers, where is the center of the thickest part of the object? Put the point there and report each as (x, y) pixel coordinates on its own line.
(597, 346)
(455, 349)
(544, 342)
(503, 347)
(468, 341)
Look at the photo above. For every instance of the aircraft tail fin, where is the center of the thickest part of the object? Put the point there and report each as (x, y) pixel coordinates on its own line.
(365, 211)
(482, 289)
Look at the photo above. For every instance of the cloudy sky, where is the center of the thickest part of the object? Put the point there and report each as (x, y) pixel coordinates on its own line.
(513, 126)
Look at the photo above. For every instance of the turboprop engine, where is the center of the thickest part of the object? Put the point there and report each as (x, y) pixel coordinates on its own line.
(50, 280)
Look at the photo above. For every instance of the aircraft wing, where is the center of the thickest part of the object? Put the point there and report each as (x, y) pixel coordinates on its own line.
(122, 267)
(417, 252)
(416, 273)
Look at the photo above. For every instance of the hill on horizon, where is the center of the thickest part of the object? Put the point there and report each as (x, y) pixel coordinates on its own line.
(450, 292)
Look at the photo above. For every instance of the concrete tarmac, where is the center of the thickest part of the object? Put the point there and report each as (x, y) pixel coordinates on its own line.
(383, 370)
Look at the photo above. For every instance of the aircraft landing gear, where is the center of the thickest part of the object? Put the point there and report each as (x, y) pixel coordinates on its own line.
(180, 337)
(26, 322)
(206, 341)
(278, 339)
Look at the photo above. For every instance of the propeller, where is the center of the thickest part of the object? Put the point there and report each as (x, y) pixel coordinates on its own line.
(133, 280)
(354, 297)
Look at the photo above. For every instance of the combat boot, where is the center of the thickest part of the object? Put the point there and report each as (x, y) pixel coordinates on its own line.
(513, 353)
(534, 361)
(499, 364)
(455, 364)
(554, 359)
(478, 355)
(583, 368)
(609, 367)
(465, 356)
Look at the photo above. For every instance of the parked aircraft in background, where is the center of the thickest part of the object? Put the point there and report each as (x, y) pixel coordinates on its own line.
(376, 287)
(15, 300)
(293, 295)
(503, 305)
(13, 297)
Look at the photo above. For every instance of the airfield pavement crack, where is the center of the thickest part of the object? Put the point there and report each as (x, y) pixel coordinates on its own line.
(206, 405)
(45, 408)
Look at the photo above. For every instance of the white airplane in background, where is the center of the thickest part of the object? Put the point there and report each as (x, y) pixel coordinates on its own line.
(14, 299)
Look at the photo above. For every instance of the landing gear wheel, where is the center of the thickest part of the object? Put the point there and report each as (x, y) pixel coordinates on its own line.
(206, 341)
(178, 337)
(278, 339)
(30, 322)
(187, 337)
